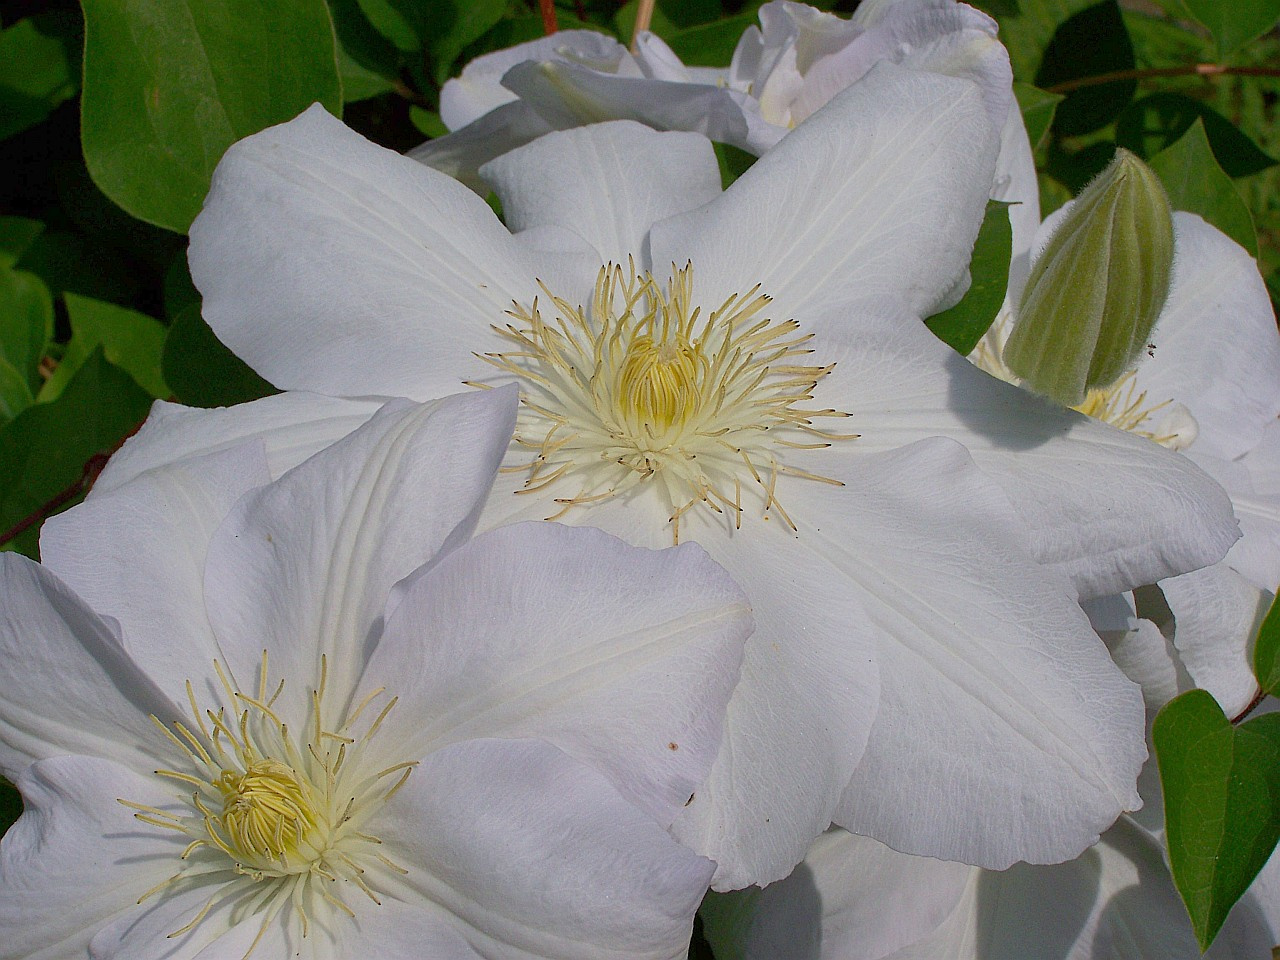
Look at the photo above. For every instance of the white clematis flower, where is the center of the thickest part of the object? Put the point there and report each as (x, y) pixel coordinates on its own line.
(782, 72)
(921, 670)
(1210, 389)
(855, 899)
(312, 718)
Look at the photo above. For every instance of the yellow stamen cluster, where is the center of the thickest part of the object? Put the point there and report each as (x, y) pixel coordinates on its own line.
(1122, 405)
(644, 388)
(275, 822)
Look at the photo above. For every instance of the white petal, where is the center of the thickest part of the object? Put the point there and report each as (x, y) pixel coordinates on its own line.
(937, 36)
(77, 857)
(146, 932)
(853, 899)
(1005, 732)
(622, 657)
(1217, 349)
(568, 95)
(1111, 510)
(880, 193)
(303, 567)
(69, 685)
(463, 153)
(137, 552)
(478, 820)
(400, 931)
(291, 427)
(1216, 616)
(608, 182)
(1253, 481)
(478, 89)
(331, 264)
(1148, 659)
(1016, 183)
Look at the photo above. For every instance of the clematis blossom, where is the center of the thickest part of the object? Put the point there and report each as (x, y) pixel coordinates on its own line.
(782, 71)
(748, 370)
(313, 717)
(1210, 388)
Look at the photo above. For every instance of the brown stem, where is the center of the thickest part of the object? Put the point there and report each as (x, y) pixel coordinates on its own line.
(88, 474)
(1253, 705)
(548, 10)
(1187, 70)
(644, 17)
(407, 92)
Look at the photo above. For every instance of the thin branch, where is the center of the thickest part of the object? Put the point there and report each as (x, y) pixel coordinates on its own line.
(1188, 70)
(1253, 705)
(88, 475)
(548, 10)
(644, 17)
(408, 93)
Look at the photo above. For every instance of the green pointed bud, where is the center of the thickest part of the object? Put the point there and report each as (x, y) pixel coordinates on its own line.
(1098, 287)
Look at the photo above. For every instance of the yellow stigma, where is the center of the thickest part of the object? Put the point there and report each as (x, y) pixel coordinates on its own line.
(645, 388)
(265, 810)
(658, 384)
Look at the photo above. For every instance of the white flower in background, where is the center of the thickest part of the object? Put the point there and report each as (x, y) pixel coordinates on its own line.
(312, 718)
(1210, 388)
(699, 363)
(855, 899)
(782, 72)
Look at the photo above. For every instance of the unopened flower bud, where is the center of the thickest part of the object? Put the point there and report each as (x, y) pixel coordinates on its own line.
(1096, 290)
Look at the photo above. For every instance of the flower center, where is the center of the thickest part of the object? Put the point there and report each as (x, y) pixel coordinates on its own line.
(265, 811)
(276, 821)
(644, 390)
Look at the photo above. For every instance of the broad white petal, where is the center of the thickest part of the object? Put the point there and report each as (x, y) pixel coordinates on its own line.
(1016, 183)
(71, 687)
(461, 154)
(477, 820)
(77, 857)
(1004, 732)
(622, 657)
(331, 264)
(1148, 659)
(852, 899)
(568, 95)
(147, 931)
(1253, 481)
(937, 36)
(137, 553)
(394, 930)
(302, 568)
(291, 426)
(608, 182)
(1216, 615)
(1217, 349)
(1116, 902)
(880, 193)
(1110, 509)
(478, 89)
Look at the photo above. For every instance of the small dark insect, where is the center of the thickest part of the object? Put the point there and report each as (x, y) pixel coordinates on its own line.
(690, 800)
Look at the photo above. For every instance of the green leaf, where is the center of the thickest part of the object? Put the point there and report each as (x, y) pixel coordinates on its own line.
(734, 162)
(16, 235)
(427, 122)
(1266, 651)
(1196, 183)
(10, 804)
(69, 260)
(368, 63)
(37, 71)
(26, 323)
(15, 395)
(397, 21)
(169, 86)
(1222, 803)
(1155, 122)
(963, 325)
(43, 451)
(132, 341)
(1038, 107)
(203, 372)
(1028, 34)
(451, 25)
(1093, 42)
(1234, 23)
(710, 44)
